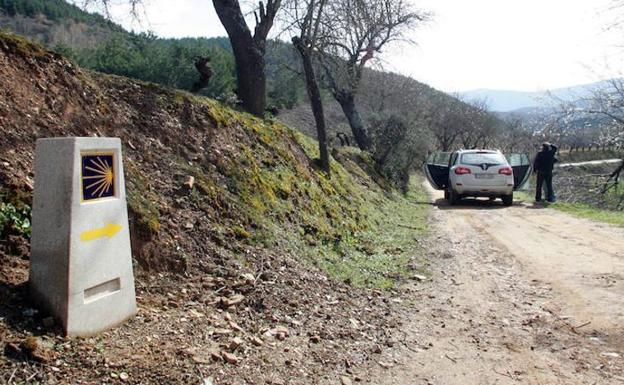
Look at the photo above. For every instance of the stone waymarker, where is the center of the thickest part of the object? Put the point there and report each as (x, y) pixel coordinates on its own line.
(80, 263)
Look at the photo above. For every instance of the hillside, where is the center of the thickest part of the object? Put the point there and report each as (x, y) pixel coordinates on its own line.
(96, 43)
(54, 22)
(257, 224)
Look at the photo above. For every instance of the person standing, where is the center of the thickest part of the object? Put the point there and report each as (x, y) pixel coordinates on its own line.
(543, 166)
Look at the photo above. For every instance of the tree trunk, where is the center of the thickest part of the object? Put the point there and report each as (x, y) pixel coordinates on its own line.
(251, 80)
(315, 100)
(446, 140)
(346, 100)
(248, 54)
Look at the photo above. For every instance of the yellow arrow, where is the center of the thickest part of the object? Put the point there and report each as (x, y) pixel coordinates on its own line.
(107, 231)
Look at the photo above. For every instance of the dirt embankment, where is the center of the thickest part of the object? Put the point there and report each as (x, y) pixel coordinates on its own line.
(216, 199)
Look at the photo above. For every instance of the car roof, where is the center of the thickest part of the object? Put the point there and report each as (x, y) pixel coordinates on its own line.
(479, 151)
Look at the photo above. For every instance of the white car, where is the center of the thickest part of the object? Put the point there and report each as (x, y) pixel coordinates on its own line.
(477, 173)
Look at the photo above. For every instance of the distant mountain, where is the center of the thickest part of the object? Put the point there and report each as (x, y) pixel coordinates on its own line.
(507, 100)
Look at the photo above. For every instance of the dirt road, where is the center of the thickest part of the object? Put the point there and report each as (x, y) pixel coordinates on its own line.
(517, 295)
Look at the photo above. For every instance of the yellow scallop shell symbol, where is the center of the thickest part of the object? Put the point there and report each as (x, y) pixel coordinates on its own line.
(101, 178)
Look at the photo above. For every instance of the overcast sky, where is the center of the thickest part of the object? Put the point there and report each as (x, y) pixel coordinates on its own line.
(528, 45)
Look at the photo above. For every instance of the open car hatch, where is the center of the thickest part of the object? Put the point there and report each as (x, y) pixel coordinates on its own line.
(437, 169)
(521, 165)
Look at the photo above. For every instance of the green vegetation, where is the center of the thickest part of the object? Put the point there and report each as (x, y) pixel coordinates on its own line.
(584, 156)
(379, 254)
(169, 62)
(272, 187)
(589, 212)
(14, 218)
(53, 10)
(581, 210)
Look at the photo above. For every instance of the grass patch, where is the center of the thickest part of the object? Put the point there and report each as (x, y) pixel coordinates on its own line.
(580, 156)
(523, 196)
(581, 210)
(379, 256)
(586, 211)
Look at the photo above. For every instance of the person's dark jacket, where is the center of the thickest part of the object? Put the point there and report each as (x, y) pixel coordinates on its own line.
(545, 160)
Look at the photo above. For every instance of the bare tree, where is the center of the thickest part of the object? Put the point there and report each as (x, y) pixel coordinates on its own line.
(360, 29)
(608, 102)
(306, 23)
(516, 136)
(480, 128)
(399, 143)
(446, 122)
(594, 119)
(387, 92)
(597, 114)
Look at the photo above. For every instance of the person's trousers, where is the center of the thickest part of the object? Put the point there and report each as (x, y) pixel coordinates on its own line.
(544, 178)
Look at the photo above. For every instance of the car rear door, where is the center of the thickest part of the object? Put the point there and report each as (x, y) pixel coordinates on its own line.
(521, 165)
(437, 169)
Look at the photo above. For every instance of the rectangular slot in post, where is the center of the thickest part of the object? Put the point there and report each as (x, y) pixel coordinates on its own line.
(102, 290)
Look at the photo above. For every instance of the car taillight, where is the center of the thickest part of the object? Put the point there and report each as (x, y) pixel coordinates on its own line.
(505, 171)
(462, 170)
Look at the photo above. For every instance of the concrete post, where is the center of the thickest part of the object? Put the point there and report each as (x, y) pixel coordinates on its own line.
(80, 261)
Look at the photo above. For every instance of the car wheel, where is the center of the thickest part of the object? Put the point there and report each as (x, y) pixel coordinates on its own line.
(508, 200)
(453, 197)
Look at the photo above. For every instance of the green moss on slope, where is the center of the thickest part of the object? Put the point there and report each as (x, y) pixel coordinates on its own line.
(16, 45)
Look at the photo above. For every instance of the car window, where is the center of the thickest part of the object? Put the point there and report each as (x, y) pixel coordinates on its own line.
(439, 158)
(479, 158)
(453, 159)
(518, 159)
